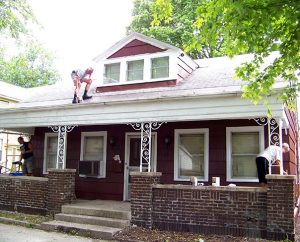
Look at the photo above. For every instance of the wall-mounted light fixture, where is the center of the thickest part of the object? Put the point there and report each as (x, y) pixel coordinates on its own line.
(167, 140)
(112, 141)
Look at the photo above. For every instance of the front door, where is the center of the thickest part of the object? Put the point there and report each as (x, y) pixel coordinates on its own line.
(132, 158)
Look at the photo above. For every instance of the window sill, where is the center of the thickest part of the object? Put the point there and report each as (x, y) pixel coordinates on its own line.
(90, 176)
(242, 180)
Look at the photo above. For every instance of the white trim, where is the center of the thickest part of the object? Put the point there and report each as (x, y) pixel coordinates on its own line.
(90, 134)
(129, 135)
(169, 109)
(204, 131)
(147, 68)
(229, 131)
(47, 135)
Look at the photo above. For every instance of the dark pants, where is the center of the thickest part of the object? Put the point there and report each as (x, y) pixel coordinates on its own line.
(262, 165)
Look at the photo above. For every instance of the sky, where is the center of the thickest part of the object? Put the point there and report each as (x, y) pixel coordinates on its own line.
(79, 30)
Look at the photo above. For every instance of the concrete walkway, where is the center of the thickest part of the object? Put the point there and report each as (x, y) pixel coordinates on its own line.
(12, 233)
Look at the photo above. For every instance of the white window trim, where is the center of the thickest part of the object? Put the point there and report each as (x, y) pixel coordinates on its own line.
(177, 132)
(45, 150)
(144, 71)
(151, 67)
(147, 68)
(89, 134)
(229, 131)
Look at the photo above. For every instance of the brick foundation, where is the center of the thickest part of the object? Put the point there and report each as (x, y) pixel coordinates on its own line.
(61, 188)
(23, 194)
(239, 211)
(280, 207)
(37, 195)
(141, 197)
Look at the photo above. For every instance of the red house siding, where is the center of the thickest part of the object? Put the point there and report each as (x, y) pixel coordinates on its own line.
(291, 138)
(135, 47)
(111, 187)
(169, 83)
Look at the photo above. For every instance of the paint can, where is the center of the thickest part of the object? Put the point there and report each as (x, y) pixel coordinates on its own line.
(215, 181)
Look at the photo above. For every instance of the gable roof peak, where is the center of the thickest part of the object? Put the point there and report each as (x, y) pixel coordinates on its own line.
(134, 36)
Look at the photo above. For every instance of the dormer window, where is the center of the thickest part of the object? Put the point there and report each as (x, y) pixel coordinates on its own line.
(112, 73)
(139, 61)
(160, 67)
(135, 70)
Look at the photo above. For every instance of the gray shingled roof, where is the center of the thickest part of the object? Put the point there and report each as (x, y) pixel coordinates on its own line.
(214, 76)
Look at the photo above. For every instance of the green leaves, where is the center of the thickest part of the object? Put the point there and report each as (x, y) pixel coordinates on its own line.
(14, 15)
(30, 68)
(172, 21)
(229, 27)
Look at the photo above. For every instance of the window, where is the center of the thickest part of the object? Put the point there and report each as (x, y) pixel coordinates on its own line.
(160, 67)
(93, 154)
(112, 73)
(242, 146)
(135, 70)
(50, 151)
(191, 154)
(13, 153)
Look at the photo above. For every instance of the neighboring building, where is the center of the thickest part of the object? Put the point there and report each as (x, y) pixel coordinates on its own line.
(9, 146)
(194, 122)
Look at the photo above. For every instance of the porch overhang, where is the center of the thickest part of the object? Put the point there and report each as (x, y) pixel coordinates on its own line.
(210, 107)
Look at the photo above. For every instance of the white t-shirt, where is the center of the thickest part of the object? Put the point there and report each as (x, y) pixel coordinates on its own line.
(272, 153)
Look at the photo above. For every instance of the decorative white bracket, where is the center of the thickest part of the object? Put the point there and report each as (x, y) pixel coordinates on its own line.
(274, 135)
(62, 131)
(146, 129)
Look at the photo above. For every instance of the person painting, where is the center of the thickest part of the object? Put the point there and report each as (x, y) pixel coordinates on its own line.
(270, 155)
(26, 154)
(78, 76)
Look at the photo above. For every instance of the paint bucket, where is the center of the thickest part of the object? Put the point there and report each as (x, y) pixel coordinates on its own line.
(194, 181)
(215, 181)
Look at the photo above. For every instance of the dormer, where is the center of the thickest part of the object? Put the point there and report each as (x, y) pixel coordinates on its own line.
(138, 61)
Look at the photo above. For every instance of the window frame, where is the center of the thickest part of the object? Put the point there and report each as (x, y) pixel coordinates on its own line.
(147, 68)
(229, 131)
(151, 67)
(45, 150)
(105, 72)
(93, 134)
(177, 133)
(127, 70)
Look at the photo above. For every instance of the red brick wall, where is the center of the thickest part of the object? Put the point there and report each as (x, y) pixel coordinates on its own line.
(37, 195)
(141, 197)
(280, 206)
(239, 211)
(216, 210)
(23, 194)
(61, 189)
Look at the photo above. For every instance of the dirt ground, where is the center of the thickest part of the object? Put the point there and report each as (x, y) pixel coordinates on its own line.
(136, 234)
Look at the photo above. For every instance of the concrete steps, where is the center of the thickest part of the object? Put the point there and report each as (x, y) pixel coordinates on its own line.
(97, 212)
(95, 219)
(86, 230)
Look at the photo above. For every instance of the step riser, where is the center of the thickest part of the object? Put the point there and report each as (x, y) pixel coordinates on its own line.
(79, 232)
(107, 223)
(96, 212)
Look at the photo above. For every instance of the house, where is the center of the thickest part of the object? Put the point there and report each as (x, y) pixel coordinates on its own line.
(153, 109)
(9, 146)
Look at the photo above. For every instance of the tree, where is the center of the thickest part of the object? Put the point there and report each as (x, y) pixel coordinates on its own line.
(31, 67)
(14, 15)
(178, 29)
(259, 27)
